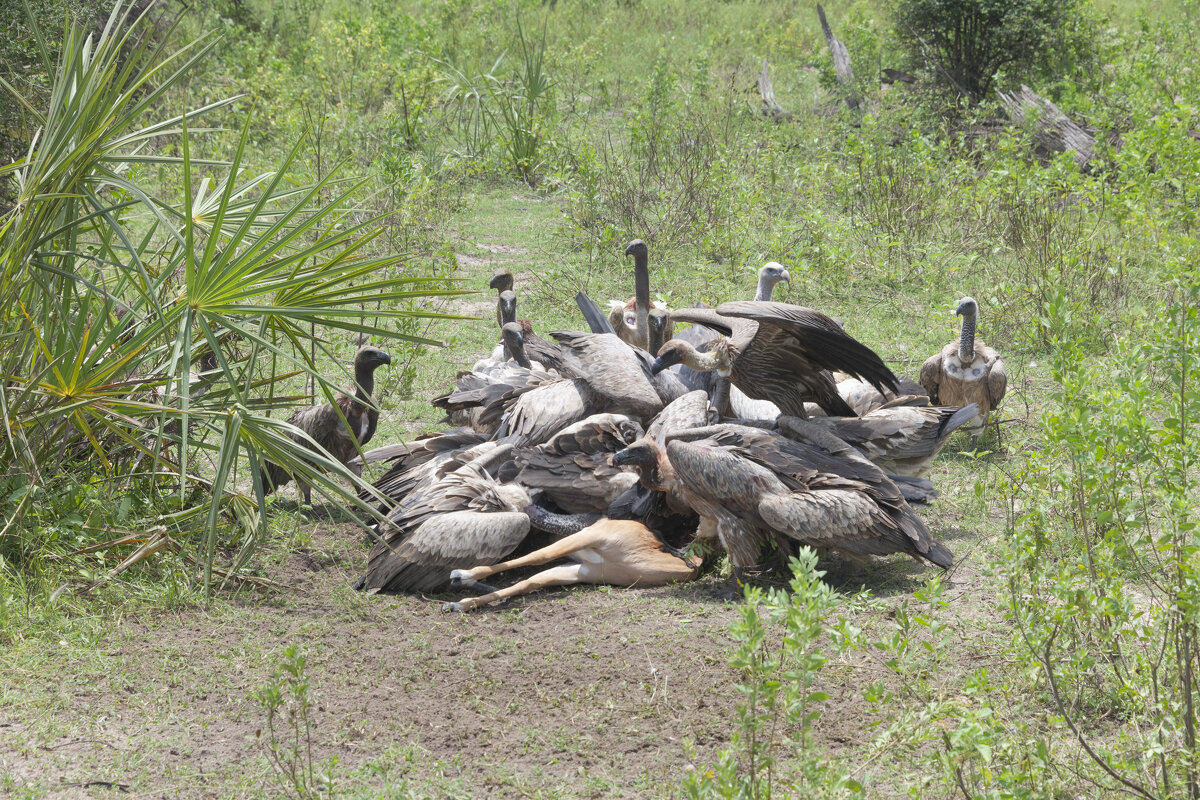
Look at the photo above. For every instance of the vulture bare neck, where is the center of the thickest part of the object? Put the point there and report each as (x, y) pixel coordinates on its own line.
(966, 340)
(641, 293)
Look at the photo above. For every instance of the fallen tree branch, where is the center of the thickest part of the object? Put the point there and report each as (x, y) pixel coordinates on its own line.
(1053, 130)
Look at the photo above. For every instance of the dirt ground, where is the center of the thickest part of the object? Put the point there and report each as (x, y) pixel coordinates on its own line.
(619, 688)
(585, 692)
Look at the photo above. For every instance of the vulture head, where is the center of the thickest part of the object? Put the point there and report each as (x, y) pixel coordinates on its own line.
(677, 351)
(642, 453)
(672, 353)
(661, 326)
(771, 274)
(643, 457)
(368, 358)
(502, 280)
(508, 306)
(967, 307)
(637, 249)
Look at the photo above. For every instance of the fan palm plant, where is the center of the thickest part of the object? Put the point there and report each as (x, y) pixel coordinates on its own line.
(147, 340)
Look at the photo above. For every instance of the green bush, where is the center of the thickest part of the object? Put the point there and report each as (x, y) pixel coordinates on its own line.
(964, 45)
(148, 333)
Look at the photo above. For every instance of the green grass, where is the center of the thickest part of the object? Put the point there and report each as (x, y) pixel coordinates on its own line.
(884, 222)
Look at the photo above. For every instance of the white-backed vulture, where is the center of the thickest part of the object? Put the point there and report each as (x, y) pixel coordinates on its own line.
(966, 371)
(778, 352)
(341, 427)
(769, 276)
(464, 519)
(638, 308)
(748, 484)
(482, 394)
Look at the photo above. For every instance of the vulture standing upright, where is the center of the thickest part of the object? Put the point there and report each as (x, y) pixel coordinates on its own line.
(341, 427)
(966, 371)
(502, 281)
(639, 308)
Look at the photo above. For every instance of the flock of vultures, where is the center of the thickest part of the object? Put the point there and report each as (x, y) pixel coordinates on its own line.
(660, 438)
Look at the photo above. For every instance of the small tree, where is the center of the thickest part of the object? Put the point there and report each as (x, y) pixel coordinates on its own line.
(963, 44)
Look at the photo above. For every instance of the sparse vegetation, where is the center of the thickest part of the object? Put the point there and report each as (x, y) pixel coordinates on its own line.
(153, 224)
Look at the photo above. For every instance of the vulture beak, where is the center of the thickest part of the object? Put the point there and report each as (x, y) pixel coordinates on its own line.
(958, 309)
(786, 277)
(622, 458)
(666, 361)
(384, 358)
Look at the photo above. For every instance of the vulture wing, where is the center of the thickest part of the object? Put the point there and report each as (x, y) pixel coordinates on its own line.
(597, 321)
(931, 375)
(613, 370)
(811, 337)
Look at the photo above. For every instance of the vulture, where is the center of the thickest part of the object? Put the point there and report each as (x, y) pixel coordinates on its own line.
(740, 406)
(610, 376)
(657, 493)
(778, 352)
(966, 371)
(341, 427)
(639, 308)
(465, 519)
(545, 354)
(573, 468)
(747, 483)
(482, 394)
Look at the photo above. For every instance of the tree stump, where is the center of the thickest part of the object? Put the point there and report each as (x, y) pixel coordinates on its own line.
(841, 62)
(1053, 130)
(770, 108)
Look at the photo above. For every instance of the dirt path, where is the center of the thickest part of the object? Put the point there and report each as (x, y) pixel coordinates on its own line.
(599, 692)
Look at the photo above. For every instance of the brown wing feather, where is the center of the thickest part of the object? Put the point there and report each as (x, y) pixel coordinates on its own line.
(816, 338)
(931, 375)
(997, 378)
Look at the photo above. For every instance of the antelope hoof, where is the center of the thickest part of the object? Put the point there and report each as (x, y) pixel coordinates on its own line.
(461, 577)
(453, 607)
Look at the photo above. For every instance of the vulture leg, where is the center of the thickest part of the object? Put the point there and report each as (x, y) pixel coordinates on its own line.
(563, 575)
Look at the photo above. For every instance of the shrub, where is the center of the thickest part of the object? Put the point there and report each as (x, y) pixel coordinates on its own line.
(964, 44)
(146, 334)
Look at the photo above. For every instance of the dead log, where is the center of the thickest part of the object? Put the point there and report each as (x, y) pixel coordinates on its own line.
(841, 62)
(1053, 130)
(770, 108)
